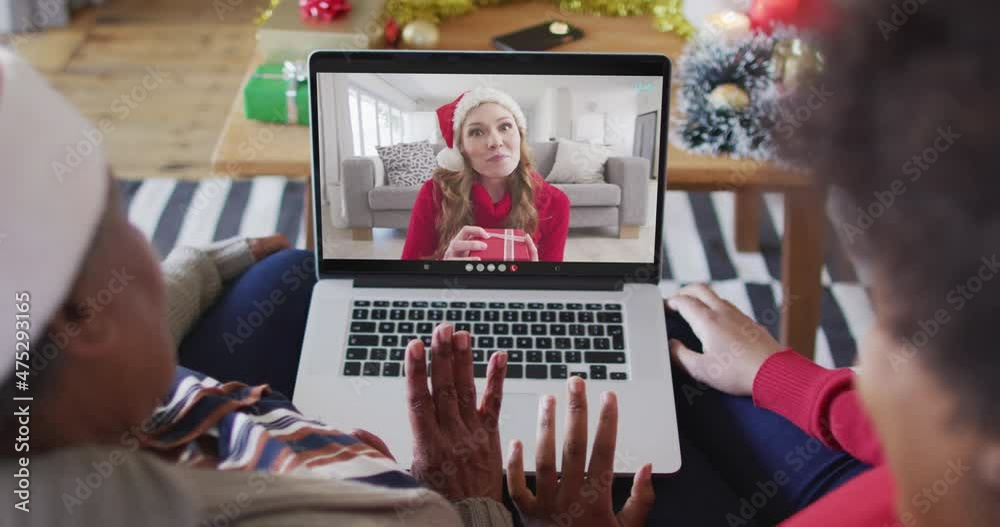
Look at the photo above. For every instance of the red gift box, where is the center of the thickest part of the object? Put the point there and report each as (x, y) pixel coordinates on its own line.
(507, 245)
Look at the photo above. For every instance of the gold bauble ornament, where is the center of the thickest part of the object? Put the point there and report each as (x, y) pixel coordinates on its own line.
(726, 24)
(793, 61)
(420, 34)
(729, 97)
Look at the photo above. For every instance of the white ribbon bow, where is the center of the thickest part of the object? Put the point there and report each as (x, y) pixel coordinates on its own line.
(509, 239)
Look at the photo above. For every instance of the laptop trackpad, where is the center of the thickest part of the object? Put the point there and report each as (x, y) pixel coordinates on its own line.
(518, 416)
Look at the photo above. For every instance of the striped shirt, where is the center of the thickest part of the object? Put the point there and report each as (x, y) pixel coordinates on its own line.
(232, 426)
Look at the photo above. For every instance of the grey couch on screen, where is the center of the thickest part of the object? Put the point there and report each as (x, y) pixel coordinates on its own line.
(369, 201)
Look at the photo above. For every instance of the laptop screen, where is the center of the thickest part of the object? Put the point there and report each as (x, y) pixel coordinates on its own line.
(494, 171)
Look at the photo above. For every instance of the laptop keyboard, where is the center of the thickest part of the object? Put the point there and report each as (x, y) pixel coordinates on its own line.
(542, 340)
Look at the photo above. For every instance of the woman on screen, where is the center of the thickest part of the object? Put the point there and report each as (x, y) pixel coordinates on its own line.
(485, 180)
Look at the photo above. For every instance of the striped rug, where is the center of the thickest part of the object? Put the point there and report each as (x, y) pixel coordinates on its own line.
(698, 245)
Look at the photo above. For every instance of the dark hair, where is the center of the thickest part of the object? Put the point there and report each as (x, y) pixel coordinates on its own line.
(907, 138)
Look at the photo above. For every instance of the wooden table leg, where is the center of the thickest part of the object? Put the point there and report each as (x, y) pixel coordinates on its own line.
(802, 263)
(307, 212)
(747, 220)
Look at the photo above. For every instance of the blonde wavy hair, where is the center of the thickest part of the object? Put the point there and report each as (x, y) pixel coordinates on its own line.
(456, 202)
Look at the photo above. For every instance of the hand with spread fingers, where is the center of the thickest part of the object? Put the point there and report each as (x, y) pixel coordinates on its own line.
(580, 496)
(456, 447)
(268, 245)
(734, 346)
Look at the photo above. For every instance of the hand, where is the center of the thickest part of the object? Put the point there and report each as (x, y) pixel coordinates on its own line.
(373, 441)
(268, 245)
(467, 239)
(581, 498)
(456, 446)
(532, 250)
(734, 345)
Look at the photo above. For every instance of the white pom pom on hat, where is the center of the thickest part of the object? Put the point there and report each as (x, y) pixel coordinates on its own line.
(450, 159)
(451, 116)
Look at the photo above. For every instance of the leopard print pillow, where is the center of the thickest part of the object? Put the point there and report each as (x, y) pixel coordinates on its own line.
(408, 164)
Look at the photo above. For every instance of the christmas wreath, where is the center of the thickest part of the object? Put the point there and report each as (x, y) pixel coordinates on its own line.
(728, 97)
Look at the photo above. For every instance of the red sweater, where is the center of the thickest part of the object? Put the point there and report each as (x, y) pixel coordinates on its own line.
(825, 404)
(550, 237)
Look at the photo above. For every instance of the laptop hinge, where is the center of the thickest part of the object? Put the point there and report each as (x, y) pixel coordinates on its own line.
(550, 283)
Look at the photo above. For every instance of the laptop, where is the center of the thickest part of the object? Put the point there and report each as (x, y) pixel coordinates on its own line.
(595, 310)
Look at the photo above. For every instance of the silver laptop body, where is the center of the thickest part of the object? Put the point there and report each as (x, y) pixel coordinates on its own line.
(600, 320)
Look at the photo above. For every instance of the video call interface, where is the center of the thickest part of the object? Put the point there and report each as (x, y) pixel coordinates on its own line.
(587, 145)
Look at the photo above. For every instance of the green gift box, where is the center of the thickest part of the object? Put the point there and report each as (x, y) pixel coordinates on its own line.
(278, 93)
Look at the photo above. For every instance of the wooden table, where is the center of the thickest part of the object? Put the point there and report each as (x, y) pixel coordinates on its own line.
(250, 148)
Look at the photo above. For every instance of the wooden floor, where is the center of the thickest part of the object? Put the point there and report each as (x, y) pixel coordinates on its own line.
(164, 72)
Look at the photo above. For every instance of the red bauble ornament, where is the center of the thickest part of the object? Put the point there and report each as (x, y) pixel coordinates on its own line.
(391, 32)
(803, 14)
(323, 10)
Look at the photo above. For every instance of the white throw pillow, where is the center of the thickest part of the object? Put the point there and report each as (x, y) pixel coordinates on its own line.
(408, 164)
(578, 163)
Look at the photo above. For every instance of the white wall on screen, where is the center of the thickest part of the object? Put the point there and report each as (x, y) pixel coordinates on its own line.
(564, 112)
(619, 110)
(542, 117)
(421, 126)
(588, 128)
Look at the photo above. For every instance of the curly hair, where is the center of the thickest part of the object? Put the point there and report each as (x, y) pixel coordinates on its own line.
(906, 142)
(456, 205)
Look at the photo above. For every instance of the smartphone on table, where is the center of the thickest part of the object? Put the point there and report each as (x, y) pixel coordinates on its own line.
(539, 37)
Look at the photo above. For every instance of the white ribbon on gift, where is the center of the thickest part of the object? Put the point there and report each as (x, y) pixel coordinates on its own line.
(509, 239)
(293, 72)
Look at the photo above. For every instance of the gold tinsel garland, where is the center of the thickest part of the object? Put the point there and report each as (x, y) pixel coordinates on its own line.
(607, 7)
(405, 11)
(266, 12)
(668, 15)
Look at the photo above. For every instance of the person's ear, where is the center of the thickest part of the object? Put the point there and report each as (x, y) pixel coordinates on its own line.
(83, 330)
(988, 465)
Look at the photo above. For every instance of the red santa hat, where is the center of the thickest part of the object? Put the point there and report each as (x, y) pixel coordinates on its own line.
(451, 116)
(55, 183)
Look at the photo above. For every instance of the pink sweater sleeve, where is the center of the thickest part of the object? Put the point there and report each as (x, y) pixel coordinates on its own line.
(822, 402)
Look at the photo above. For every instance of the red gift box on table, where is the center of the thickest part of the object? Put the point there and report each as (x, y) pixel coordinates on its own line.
(508, 245)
